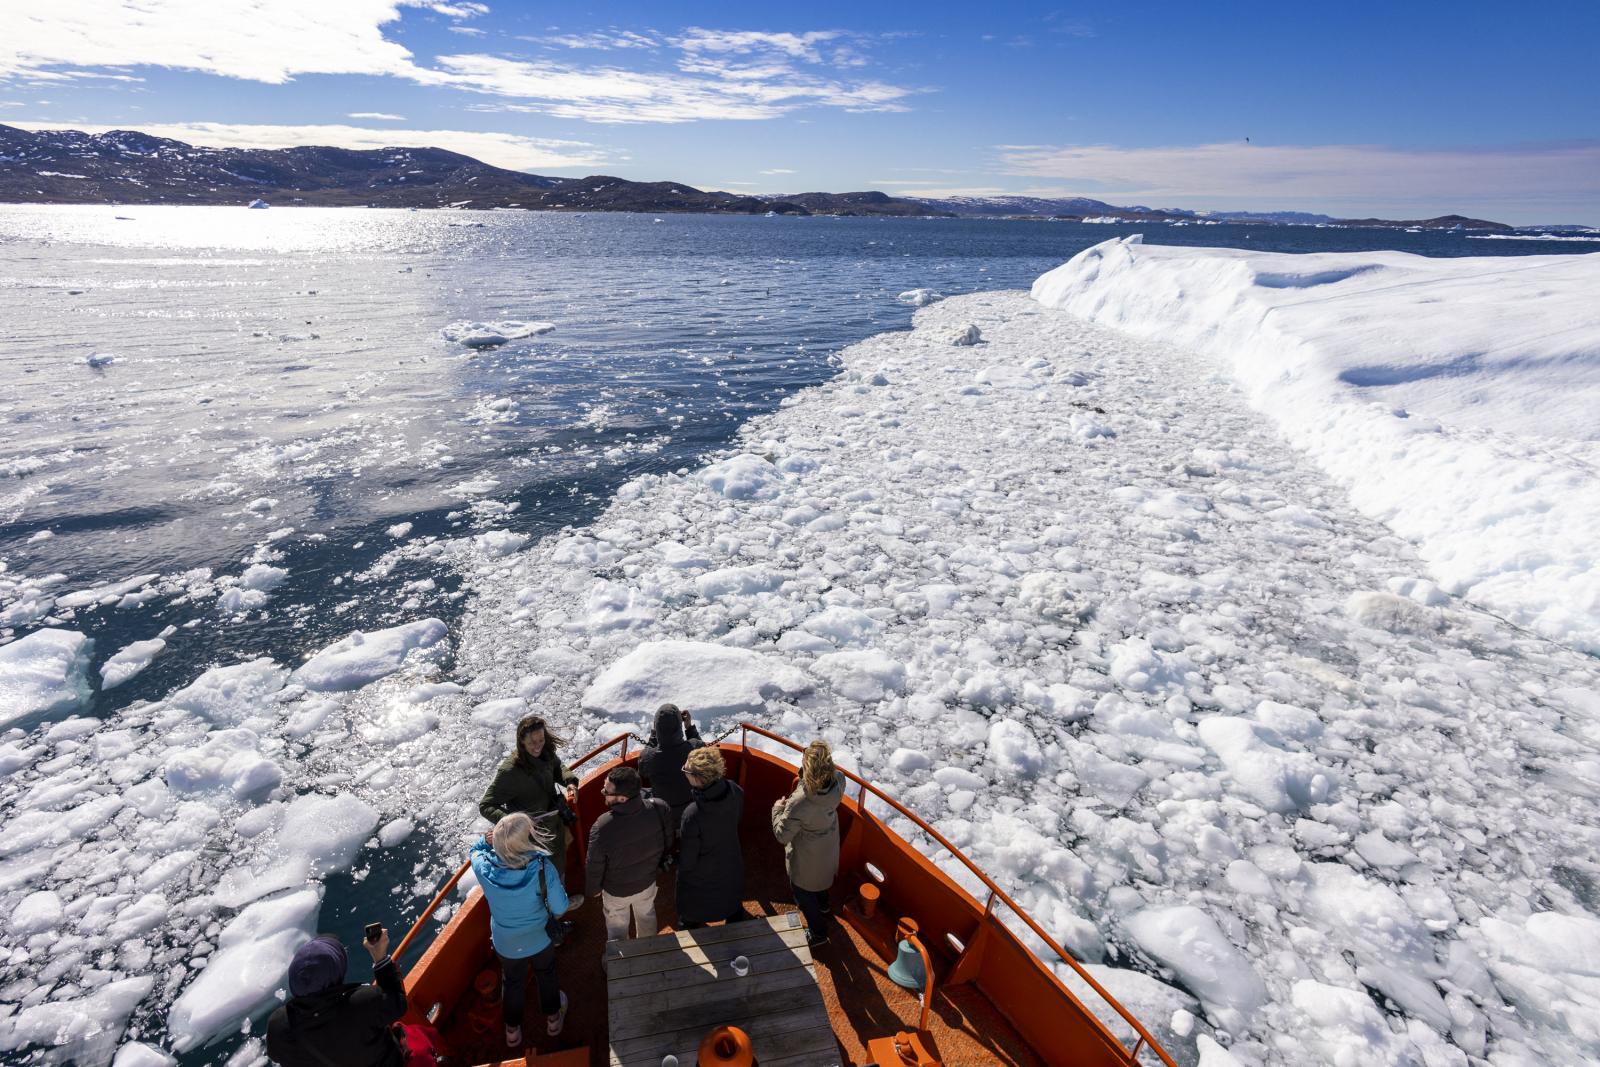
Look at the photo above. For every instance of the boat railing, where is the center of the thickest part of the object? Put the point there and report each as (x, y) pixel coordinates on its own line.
(996, 895)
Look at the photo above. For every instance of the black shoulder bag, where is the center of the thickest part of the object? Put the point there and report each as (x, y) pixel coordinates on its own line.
(554, 928)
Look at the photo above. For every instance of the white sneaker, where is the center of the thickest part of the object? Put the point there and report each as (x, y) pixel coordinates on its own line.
(513, 1037)
(553, 1026)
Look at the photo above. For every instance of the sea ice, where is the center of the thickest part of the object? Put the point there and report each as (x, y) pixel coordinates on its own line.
(492, 334)
(709, 681)
(362, 658)
(249, 965)
(46, 671)
(228, 695)
(1189, 941)
(129, 662)
(1436, 389)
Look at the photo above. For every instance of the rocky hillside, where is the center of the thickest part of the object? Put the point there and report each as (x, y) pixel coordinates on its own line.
(127, 167)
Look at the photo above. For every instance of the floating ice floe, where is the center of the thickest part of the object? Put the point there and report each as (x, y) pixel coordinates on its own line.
(363, 658)
(492, 334)
(129, 662)
(724, 681)
(919, 297)
(45, 672)
(253, 588)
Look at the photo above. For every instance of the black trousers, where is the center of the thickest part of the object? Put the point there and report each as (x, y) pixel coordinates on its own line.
(814, 906)
(516, 984)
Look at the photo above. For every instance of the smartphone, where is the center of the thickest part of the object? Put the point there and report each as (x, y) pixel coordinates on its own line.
(374, 931)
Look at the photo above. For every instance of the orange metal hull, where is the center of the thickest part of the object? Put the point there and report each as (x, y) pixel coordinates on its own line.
(967, 940)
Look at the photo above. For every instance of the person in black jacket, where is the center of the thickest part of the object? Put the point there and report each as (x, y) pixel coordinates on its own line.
(661, 762)
(711, 863)
(328, 1021)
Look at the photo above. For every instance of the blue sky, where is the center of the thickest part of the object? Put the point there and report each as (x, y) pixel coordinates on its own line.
(1397, 109)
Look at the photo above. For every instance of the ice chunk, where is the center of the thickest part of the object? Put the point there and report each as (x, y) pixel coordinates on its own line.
(227, 695)
(37, 911)
(225, 759)
(254, 588)
(962, 336)
(395, 831)
(85, 1029)
(1189, 942)
(919, 297)
(139, 1054)
(362, 658)
(864, 677)
(1013, 748)
(1262, 770)
(45, 672)
(250, 964)
(327, 830)
(129, 662)
(497, 543)
(399, 530)
(492, 334)
(706, 680)
(743, 477)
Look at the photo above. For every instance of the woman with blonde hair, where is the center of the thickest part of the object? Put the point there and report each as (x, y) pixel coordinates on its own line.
(519, 879)
(711, 863)
(806, 823)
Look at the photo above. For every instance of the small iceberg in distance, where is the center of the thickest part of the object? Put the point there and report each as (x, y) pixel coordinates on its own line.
(492, 334)
(259, 203)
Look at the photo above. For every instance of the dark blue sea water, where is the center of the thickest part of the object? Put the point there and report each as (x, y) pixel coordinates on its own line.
(280, 391)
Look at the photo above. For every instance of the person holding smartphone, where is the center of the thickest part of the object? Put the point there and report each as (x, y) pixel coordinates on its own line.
(328, 1021)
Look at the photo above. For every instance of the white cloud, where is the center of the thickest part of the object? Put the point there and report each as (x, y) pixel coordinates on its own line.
(1358, 177)
(604, 41)
(259, 40)
(377, 115)
(612, 94)
(778, 170)
(797, 45)
(497, 149)
(720, 74)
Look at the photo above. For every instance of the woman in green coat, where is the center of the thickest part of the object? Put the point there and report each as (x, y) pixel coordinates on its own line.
(527, 781)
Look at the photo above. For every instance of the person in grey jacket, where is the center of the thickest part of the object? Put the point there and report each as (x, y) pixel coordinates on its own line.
(625, 849)
(711, 864)
(661, 762)
(806, 823)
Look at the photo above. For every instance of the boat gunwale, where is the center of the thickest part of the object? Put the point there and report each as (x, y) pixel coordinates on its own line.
(1146, 1040)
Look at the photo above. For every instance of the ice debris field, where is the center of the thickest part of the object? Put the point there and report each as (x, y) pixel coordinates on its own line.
(1304, 773)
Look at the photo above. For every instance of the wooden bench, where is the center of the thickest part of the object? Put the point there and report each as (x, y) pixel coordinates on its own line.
(665, 993)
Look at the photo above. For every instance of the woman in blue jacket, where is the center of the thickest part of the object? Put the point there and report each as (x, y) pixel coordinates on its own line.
(524, 891)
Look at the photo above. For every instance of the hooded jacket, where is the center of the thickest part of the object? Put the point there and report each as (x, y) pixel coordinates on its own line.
(661, 761)
(807, 825)
(530, 789)
(625, 847)
(711, 864)
(347, 1024)
(517, 915)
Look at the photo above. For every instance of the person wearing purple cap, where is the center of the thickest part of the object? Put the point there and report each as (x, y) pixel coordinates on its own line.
(328, 1021)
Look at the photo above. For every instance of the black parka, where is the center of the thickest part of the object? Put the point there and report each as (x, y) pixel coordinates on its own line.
(711, 863)
(661, 761)
(348, 1025)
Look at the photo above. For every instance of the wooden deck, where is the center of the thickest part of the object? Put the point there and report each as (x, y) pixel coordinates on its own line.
(665, 993)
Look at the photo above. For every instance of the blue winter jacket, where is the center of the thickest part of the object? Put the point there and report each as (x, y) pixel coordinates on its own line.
(516, 914)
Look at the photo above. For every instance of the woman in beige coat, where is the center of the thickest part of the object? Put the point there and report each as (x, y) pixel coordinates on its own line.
(806, 823)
